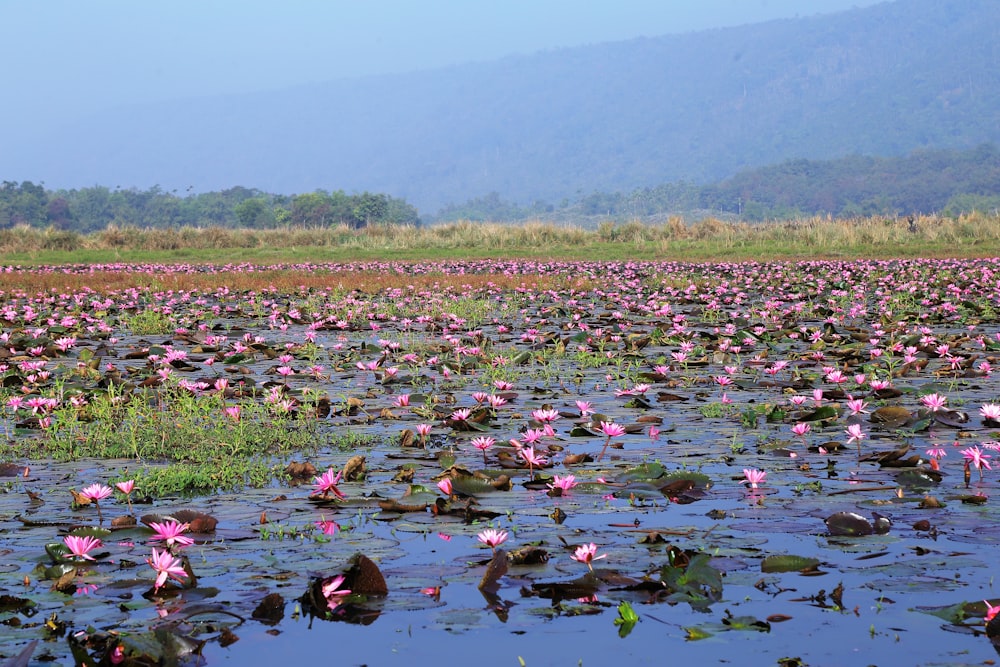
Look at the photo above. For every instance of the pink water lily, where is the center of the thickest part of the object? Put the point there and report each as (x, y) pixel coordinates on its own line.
(611, 430)
(801, 428)
(934, 402)
(483, 443)
(990, 411)
(171, 532)
(166, 565)
(127, 487)
(326, 484)
(753, 477)
(96, 492)
(587, 554)
(81, 546)
(975, 457)
(333, 593)
(492, 537)
(532, 458)
(564, 483)
(855, 434)
(991, 611)
(327, 527)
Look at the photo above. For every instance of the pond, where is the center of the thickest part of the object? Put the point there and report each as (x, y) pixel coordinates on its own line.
(595, 462)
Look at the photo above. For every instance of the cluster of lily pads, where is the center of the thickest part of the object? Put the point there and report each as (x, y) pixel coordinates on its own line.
(699, 405)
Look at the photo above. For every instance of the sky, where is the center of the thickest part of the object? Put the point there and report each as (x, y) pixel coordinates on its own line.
(65, 58)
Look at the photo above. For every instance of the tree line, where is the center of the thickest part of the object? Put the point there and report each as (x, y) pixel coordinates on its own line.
(94, 208)
(923, 182)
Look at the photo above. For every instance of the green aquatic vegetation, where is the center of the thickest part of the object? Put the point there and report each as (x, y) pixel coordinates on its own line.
(207, 477)
(148, 322)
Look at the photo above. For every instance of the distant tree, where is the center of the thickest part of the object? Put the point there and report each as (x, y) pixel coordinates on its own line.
(58, 213)
(311, 209)
(370, 208)
(254, 212)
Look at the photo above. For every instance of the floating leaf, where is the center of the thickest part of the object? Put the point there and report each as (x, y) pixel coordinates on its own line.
(788, 563)
(849, 524)
(746, 623)
(365, 578)
(627, 618)
(822, 413)
(891, 416)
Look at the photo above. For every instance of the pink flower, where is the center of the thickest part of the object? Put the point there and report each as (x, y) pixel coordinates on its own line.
(333, 592)
(990, 411)
(801, 428)
(232, 412)
(461, 415)
(753, 477)
(496, 401)
(166, 565)
(585, 408)
(402, 401)
(423, 430)
(482, 443)
(170, 532)
(611, 429)
(533, 435)
(126, 486)
(836, 377)
(587, 554)
(80, 546)
(991, 611)
(856, 406)
(975, 457)
(96, 492)
(855, 434)
(545, 416)
(445, 486)
(934, 402)
(328, 527)
(326, 484)
(565, 483)
(532, 458)
(492, 537)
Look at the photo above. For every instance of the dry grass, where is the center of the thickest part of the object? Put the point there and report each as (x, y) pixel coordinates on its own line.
(809, 236)
(283, 281)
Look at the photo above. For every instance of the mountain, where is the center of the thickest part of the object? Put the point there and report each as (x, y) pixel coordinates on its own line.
(883, 80)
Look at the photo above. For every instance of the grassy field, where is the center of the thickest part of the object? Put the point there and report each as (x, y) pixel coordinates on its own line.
(709, 239)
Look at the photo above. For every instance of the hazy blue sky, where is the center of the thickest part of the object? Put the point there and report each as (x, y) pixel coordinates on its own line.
(67, 57)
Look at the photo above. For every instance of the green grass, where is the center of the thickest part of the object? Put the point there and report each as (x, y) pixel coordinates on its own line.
(687, 251)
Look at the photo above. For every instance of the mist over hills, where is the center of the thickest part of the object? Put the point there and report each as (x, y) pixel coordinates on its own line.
(698, 107)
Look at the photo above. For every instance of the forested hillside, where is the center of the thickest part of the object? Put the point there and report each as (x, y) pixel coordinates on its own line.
(926, 181)
(695, 108)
